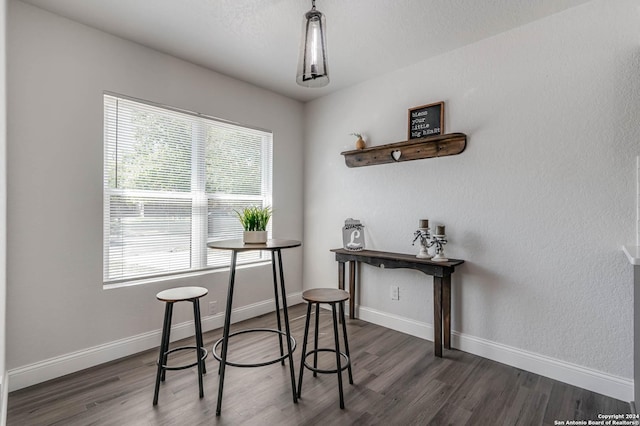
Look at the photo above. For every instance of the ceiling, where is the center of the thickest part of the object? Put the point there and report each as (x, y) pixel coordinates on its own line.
(258, 41)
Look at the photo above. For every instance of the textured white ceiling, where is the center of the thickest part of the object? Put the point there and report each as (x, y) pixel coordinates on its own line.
(258, 41)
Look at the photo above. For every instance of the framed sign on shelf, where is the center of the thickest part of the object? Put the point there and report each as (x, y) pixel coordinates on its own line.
(426, 120)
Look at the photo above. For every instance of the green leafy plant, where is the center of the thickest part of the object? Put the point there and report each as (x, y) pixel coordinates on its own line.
(254, 218)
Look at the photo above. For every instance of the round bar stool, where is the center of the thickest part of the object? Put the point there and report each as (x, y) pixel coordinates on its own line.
(171, 296)
(333, 297)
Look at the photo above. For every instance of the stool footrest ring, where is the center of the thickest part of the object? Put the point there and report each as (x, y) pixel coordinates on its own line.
(259, 364)
(319, 370)
(203, 351)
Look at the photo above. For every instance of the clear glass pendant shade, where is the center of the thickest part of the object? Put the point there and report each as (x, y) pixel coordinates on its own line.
(312, 62)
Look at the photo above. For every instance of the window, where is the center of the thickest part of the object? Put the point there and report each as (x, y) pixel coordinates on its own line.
(172, 180)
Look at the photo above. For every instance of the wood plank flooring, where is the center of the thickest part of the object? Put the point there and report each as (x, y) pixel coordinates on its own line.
(397, 381)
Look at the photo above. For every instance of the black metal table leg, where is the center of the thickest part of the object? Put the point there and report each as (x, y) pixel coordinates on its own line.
(275, 246)
(275, 293)
(287, 327)
(225, 333)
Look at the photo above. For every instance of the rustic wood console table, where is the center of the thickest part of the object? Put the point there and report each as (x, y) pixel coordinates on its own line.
(441, 272)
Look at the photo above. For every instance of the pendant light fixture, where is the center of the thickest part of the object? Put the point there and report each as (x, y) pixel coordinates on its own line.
(312, 62)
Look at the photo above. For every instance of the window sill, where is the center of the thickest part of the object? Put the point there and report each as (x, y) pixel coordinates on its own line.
(141, 281)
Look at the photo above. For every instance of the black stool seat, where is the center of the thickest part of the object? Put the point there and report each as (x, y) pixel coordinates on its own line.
(325, 295)
(333, 297)
(181, 294)
(171, 296)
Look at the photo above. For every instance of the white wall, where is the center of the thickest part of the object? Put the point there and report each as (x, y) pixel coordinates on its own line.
(538, 205)
(57, 71)
(3, 210)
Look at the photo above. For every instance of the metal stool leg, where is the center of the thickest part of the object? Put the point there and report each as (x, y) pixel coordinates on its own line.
(337, 340)
(331, 297)
(304, 348)
(164, 347)
(199, 345)
(198, 322)
(346, 342)
(315, 339)
(165, 360)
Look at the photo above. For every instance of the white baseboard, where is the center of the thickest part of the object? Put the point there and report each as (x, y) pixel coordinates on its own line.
(593, 380)
(51, 368)
(4, 397)
(566, 372)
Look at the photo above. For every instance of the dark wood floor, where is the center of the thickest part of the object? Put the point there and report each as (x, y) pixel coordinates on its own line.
(397, 379)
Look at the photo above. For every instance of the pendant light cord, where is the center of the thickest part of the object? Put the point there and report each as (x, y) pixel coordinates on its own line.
(313, 4)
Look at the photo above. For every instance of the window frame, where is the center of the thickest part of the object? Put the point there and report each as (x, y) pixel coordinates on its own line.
(200, 199)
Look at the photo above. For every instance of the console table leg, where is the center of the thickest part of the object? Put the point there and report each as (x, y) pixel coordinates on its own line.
(341, 281)
(437, 316)
(446, 310)
(352, 289)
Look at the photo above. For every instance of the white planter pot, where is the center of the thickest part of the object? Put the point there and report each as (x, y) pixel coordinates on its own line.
(254, 237)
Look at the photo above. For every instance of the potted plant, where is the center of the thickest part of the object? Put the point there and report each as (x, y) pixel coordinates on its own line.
(254, 220)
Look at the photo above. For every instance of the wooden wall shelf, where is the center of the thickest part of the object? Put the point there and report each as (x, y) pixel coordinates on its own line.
(414, 149)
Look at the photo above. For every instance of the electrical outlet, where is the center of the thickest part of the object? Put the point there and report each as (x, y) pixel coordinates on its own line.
(213, 307)
(395, 292)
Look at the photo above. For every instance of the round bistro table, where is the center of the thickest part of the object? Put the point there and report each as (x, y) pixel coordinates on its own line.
(275, 247)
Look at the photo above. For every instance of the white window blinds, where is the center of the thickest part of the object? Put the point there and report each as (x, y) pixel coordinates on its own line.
(172, 181)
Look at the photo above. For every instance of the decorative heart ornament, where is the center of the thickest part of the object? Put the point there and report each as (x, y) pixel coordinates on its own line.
(396, 155)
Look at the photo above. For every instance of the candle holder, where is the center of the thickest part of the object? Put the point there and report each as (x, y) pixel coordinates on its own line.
(424, 236)
(439, 241)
